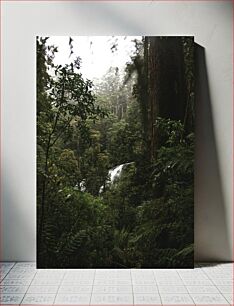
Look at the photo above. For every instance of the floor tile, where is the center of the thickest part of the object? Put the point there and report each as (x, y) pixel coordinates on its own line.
(168, 277)
(209, 299)
(143, 282)
(43, 289)
(13, 289)
(184, 274)
(22, 270)
(109, 278)
(39, 299)
(172, 289)
(11, 299)
(147, 299)
(196, 277)
(143, 276)
(49, 277)
(222, 282)
(165, 271)
(75, 289)
(4, 270)
(51, 271)
(142, 273)
(112, 282)
(178, 299)
(77, 282)
(202, 289)
(197, 282)
(112, 299)
(225, 289)
(78, 276)
(113, 273)
(72, 299)
(220, 277)
(169, 282)
(74, 278)
(3, 275)
(112, 289)
(207, 284)
(45, 282)
(26, 264)
(188, 273)
(145, 289)
(20, 276)
(7, 264)
(16, 282)
(229, 298)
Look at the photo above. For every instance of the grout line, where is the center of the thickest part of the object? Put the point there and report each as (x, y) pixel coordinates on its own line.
(223, 294)
(92, 287)
(14, 263)
(58, 288)
(28, 287)
(186, 287)
(1, 293)
(133, 301)
(157, 288)
(184, 284)
(215, 284)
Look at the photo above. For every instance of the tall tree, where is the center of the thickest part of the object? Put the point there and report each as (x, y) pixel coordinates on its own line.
(69, 102)
(167, 91)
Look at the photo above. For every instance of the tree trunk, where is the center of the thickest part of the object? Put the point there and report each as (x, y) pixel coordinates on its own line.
(166, 85)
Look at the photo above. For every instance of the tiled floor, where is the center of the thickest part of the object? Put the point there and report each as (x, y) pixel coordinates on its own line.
(207, 284)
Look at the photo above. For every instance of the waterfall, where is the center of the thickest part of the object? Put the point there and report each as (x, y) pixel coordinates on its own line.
(114, 174)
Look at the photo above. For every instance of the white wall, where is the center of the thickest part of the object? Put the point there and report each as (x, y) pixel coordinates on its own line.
(211, 24)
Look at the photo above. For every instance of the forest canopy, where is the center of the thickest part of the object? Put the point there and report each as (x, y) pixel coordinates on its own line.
(115, 159)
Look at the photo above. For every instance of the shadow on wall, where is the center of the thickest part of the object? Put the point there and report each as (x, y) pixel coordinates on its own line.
(108, 16)
(18, 221)
(211, 232)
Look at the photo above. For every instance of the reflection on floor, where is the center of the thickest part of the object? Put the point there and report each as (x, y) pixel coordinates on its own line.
(207, 284)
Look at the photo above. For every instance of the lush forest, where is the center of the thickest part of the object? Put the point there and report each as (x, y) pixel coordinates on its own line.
(115, 160)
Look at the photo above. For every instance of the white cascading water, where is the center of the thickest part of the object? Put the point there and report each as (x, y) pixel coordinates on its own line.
(114, 174)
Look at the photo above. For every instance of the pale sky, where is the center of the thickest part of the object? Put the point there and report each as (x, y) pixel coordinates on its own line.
(95, 52)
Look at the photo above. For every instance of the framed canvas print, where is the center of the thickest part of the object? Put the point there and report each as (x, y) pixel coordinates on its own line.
(115, 152)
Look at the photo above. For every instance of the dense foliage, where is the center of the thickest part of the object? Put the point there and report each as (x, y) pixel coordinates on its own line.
(144, 218)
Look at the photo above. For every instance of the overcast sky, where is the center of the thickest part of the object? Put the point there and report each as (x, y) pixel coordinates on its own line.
(95, 52)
